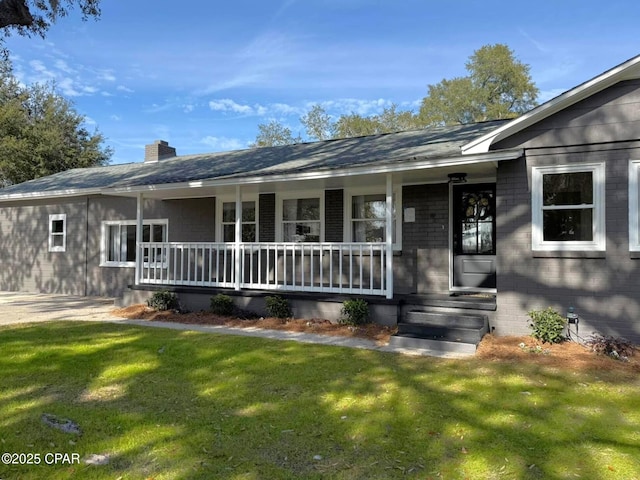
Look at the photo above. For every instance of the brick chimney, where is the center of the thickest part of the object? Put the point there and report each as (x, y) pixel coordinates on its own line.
(158, 150)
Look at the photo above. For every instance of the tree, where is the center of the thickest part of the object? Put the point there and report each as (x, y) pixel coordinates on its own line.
(36, 16)
(498, 86)
(318, 124)
(274, 134)
(389, 121)
(41, 134)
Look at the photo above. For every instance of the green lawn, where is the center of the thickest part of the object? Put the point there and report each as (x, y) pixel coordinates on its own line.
(182, 405)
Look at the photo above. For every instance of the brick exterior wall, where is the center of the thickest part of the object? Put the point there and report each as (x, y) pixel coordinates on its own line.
(423, 265)
(158, 150)
(602, 287)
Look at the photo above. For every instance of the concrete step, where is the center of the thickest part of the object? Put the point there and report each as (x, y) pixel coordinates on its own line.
(445, 319)
(439, 348)
(441, 332)
(437, 332)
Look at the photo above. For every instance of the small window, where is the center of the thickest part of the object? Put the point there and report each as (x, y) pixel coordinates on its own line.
(301, 220)
(58, 232)
(568, 208)
(119, 240)
(249, 224)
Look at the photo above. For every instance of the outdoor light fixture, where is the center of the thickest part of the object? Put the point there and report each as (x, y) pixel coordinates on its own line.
(459, 177)
(572, 319)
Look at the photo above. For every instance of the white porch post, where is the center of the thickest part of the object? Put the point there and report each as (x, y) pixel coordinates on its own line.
(139, 223)
(389, 237)
(238, 262)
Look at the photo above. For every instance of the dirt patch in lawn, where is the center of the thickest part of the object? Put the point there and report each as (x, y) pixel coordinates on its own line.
(566, 355)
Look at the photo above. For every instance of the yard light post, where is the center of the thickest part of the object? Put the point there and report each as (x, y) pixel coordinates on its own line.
(572, 319)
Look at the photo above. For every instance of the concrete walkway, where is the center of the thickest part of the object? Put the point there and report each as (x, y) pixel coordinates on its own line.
(18, 307)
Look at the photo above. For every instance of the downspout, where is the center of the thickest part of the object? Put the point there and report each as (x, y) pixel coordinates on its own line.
(389, 237)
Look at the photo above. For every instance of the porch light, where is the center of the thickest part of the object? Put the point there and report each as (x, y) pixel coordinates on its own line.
(459, 177)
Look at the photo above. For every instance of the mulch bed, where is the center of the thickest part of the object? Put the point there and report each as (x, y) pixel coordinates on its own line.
(566, 355)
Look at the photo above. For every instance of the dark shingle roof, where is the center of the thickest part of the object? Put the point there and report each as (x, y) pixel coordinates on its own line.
(375, 150)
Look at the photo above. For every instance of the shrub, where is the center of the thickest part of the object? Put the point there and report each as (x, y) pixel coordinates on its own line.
(163, 300)
(278, 307)
(547, 325)
(222, 305)
(354, 312)
(614, 347)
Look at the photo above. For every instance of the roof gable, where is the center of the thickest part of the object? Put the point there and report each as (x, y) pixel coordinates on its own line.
(625, 71)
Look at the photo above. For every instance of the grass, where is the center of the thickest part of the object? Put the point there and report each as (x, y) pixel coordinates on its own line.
(183, 405)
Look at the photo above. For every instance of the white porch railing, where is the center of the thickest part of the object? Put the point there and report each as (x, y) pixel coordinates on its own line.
(354, 268)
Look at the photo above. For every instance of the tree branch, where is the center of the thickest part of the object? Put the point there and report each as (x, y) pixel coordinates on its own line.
(15, 13)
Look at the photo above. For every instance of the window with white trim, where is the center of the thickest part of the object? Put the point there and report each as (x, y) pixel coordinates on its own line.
(58, 232)
(119, 240)
(367, 217)
(568, 208)
(634, 206)
(301, 219)
(249, 221)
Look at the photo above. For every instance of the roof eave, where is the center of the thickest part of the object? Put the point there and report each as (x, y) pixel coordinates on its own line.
(625, 71)
(12, 197)
(414, 164)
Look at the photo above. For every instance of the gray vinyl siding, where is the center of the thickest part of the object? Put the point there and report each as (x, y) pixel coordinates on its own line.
(25, 261)
(611, 115)
(190, 220)
(602, 286)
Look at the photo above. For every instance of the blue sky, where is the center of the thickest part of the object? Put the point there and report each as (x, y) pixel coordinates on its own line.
(202, 74)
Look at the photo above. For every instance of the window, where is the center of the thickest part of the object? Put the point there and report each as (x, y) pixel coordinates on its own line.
(58, 232)
(119, 240)
(366, 217)
(568, 208)
(249, 222)
(301, 220)
(634, 206)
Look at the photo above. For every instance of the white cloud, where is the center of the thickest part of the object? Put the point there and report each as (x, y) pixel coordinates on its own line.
(122, 88)
(257, 110)
(106, 75)
(223, 143)
(356, 105)
(115, 118)
(228, 105)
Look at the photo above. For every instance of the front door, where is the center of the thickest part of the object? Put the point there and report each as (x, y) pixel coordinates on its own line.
(474, 236)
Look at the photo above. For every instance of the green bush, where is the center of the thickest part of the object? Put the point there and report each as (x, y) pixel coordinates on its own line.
(547, 325)
(278, 307)
(222, 305)
(354, 312)
(163, 300)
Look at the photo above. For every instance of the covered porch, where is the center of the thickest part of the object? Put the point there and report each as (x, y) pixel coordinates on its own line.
(336, 231)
